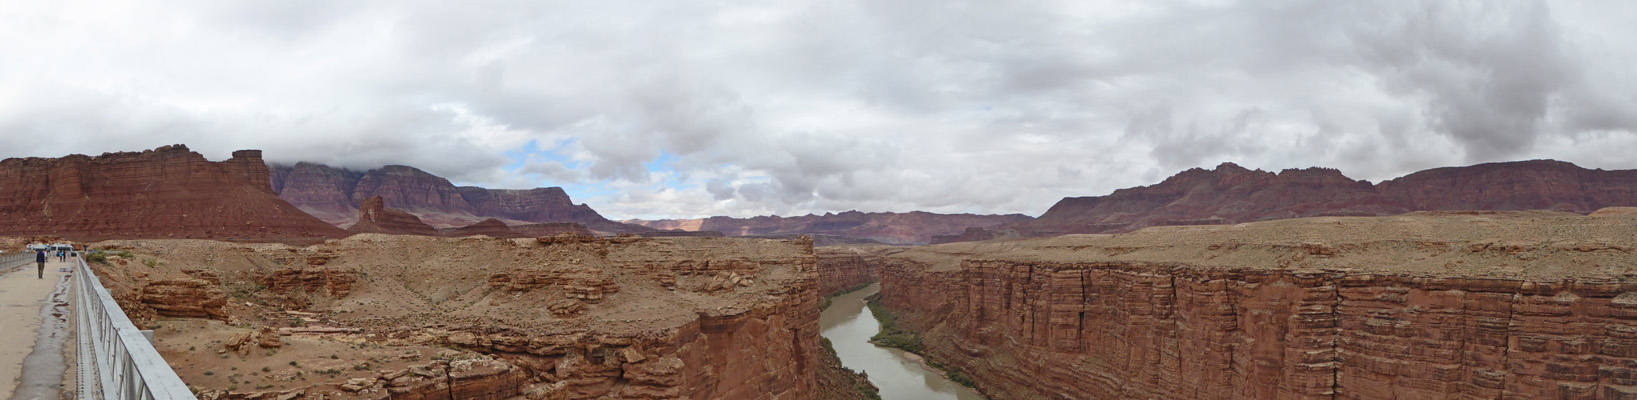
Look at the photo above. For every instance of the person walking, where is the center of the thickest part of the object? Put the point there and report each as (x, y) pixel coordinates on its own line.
(39, 258)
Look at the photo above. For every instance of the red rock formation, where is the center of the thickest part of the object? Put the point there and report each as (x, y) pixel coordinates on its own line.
(374, 217)
(195, 298)
(842, 269)
(1523, 185)
(1381, 315)
(333, 282)
(330, 192)
(895, 228)
(1229, 194)
(168, 192)
(490, 227)
(324, 192)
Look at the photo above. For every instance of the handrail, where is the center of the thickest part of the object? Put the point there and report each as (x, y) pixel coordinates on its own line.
(116, 361)
(11, 260)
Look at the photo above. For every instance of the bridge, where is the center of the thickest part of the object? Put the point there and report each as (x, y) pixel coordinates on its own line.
(111, 359)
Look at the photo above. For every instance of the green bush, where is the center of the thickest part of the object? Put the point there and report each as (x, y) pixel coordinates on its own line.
(891, 335)
(97, 257)
(124, 253)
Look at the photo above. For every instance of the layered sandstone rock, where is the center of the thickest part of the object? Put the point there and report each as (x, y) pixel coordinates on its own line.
(331, 193)
(329, 281)
(896, 228)
(374, 217)
(1231, 194)
(195, 298)
(561, 317)
(840, 269)
(1507, 305)
(168, 192)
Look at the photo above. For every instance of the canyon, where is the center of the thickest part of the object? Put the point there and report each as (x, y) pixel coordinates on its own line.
(1532, 304)
(167, 192)
(564, 317)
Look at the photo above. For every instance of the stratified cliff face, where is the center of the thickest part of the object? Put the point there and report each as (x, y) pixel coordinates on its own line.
(843, 268)
(564, 317)
(1510, 305)
(896, 228)
(374, 217)
(165, 192)
(1231, 194)
(322, 191)
(331, 193)
(1524, 185)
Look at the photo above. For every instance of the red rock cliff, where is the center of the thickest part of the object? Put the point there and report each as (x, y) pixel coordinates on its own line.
(1474, 307)
(165, 192)
(843, 268)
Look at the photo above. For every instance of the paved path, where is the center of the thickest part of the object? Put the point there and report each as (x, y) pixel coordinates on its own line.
(24, 300)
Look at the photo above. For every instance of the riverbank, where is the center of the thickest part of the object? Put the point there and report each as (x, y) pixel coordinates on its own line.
(896, 373)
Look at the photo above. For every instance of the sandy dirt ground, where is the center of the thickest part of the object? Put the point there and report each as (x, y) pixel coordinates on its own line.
(22, 295)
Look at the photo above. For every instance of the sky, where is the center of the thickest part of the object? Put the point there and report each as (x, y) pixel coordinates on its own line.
(682, 109)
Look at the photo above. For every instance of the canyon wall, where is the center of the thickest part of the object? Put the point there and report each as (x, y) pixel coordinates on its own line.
(168, 192)
(1471, 310)
(563, 317)
(840, 269)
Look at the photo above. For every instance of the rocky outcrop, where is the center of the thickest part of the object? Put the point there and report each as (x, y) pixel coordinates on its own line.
(490, 227)
(551, 229)
(559, 317)
(374, 217)
(886, 227)
(329, 281)
(840, 269)
(1528, 305)
(330, 193)
(168, 192)
(195, 298)
(1231, 194)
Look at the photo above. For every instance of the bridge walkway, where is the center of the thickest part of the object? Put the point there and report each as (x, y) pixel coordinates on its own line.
(32, 363)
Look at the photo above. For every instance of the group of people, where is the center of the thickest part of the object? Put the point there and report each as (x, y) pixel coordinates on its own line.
(39, 258)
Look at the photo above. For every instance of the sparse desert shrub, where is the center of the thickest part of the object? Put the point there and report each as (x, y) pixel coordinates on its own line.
(150, 262)
(97, 257)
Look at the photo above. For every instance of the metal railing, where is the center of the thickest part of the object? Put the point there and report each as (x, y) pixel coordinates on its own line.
(116, 361)
(11, 260)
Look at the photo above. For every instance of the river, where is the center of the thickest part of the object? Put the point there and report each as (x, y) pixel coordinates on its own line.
(849, 325)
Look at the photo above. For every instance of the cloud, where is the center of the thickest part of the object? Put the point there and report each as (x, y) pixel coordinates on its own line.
(683, 109)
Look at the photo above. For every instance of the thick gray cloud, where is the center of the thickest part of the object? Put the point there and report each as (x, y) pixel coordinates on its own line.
(686, 109)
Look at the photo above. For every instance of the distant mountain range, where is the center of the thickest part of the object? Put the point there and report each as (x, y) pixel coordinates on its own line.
(914, 227)
(1231, 194)
(334, 194)
(172, 192)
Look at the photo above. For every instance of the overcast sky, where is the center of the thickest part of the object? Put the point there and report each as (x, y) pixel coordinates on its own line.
(688, 109)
